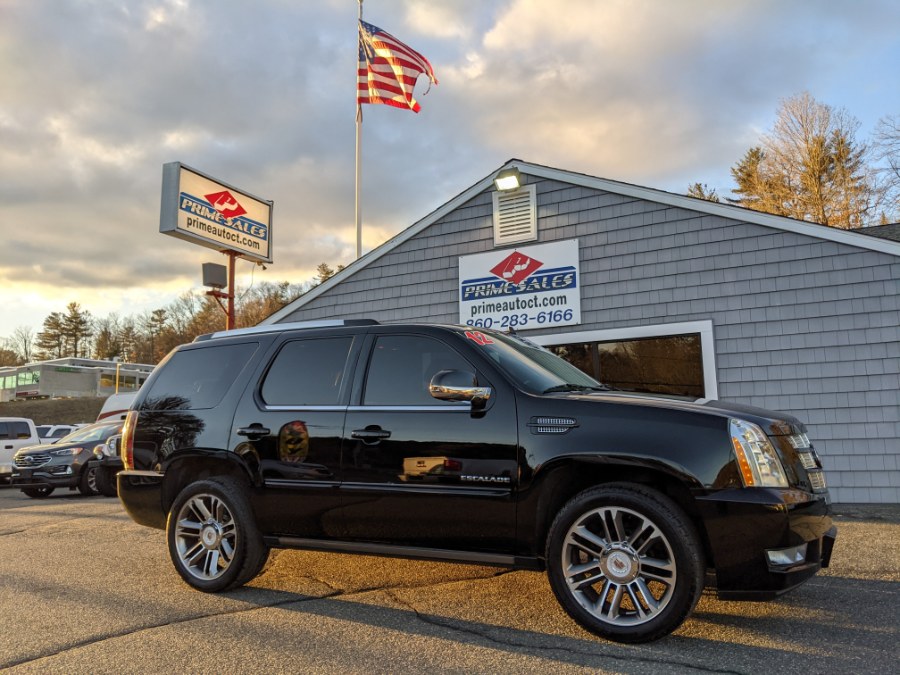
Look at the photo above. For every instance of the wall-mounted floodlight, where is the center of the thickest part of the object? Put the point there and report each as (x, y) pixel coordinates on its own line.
(508, 179)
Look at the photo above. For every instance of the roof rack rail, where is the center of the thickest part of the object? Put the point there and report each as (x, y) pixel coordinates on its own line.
(279, 327)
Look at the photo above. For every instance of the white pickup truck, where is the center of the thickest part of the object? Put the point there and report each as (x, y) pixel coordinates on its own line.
(15, 433)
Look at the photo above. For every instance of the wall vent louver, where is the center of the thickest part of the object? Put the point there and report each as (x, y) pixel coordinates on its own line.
(515, 216)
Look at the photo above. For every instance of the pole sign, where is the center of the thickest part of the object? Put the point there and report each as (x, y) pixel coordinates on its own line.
(527, 288)
(205, 211)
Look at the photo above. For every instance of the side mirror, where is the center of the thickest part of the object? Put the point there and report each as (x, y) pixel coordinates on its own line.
(458, 385)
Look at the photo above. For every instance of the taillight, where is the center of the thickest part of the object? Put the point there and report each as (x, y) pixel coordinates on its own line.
(127, 443)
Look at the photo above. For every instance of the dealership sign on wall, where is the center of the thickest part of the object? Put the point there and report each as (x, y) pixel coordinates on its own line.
(205, 211)
(523, 289)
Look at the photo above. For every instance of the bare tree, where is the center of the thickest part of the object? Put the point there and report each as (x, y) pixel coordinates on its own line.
(22, 342)
(810, 167)
(887, 149)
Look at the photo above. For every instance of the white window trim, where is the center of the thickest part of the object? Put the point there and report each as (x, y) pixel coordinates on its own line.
(704, 328)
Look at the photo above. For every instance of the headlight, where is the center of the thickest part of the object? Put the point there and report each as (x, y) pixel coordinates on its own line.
(757, 459)
(65, 452)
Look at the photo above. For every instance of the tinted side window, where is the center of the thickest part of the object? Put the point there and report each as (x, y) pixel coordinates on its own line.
(197, 378)
(402, 366)
(4, 430)
(307, 372)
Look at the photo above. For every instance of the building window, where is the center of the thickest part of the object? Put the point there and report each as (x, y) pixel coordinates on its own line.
(666, 365)
(676, 359)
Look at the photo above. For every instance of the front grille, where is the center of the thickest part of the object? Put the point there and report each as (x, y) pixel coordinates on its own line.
(31, 461)
(798, 441)
(808, 460)
(817, 480)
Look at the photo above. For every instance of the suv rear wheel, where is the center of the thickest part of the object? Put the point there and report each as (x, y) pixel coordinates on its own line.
(213, 539)
(625, 562)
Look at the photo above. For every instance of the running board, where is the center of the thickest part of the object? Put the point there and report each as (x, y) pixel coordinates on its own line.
(411, 552)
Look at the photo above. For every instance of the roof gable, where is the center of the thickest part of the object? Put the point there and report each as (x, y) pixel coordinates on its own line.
(847, 237)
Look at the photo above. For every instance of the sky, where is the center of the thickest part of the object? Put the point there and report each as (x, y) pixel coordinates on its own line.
(96, 95)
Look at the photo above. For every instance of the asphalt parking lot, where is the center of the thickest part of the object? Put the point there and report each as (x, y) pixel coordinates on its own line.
(85, 590)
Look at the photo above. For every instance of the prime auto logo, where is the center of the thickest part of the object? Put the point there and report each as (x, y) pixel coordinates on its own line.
(221, 209)
(516, 267)
(225, 203)
(517, 274)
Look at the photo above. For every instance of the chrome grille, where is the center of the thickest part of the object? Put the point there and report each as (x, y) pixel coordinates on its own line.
(798, 441)
(31, 461)
(817, 480)
(808, 460)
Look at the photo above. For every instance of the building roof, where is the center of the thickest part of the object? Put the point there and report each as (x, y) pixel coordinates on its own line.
(891, 231)
(882, 244)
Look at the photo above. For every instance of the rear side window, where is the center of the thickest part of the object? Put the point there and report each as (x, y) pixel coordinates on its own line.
(197, 378)
(15, 430)
(307, 372)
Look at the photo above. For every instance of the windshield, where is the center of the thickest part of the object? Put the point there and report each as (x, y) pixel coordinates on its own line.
(533, 368)
(91, 433)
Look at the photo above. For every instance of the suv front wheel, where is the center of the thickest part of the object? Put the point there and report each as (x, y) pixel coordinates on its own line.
(213, 539)
(625, 562)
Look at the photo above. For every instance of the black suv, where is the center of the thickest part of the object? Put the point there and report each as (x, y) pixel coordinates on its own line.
(450, 443)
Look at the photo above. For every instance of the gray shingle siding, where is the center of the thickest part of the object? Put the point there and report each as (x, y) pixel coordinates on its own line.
(803, 325)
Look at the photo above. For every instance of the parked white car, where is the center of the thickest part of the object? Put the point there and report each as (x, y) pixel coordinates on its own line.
(50, 433)
(15, 433)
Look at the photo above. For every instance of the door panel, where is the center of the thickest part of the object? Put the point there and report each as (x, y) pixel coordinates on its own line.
(423, 472)
(289, 426)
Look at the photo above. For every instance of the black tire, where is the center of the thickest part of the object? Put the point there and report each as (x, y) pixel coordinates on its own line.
(87, 483)
(213, 539)
(625, 562)
(38, 492)
(106, 482)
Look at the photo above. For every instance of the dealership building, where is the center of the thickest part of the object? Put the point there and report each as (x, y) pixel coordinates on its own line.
(661, 293)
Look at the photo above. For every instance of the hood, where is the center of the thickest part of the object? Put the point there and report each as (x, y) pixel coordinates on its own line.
(772, 422)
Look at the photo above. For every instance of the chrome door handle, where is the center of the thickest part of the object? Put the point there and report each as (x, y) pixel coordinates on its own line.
(370, 434)
(254, 431)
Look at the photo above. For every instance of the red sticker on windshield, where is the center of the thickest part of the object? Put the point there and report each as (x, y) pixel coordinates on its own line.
(479, 338)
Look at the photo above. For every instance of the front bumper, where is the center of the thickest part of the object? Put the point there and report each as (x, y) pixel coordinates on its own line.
(43, 477)
(743, 524)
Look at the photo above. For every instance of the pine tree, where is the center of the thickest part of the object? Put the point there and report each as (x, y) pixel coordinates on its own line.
(78, 326)
(50, 342)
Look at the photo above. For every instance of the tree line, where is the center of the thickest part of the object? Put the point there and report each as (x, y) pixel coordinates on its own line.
(812, 166)
(148, 337)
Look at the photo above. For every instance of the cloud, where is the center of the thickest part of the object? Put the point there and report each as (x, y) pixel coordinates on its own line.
(96, 96)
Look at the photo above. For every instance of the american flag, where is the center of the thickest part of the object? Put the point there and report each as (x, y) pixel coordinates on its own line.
(388, 69)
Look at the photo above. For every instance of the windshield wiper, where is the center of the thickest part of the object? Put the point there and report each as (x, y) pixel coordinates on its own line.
(576, 387)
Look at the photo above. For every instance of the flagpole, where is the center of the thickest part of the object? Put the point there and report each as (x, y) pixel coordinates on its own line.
(358, 144)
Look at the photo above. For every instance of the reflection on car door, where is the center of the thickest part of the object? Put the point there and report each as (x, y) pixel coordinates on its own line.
(289, 426)
(423, 472)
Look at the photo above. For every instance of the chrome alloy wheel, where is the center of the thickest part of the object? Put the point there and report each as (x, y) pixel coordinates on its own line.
(619, 566)
(205, 536)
